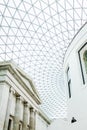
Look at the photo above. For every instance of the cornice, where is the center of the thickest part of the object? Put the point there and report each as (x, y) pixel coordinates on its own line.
(13, 70)
(44, 116)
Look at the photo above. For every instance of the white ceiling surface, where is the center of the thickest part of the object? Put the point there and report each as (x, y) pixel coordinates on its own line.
(35, 34)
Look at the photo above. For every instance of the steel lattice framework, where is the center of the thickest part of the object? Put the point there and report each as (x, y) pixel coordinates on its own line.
(36, 34)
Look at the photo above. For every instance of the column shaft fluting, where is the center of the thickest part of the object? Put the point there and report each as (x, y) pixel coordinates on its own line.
(8, 108)
(32, 119)
(4, 95)
(26, 116)
(17, 116)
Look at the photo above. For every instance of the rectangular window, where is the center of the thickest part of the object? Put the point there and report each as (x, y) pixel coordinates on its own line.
(69, 82)
(10, 124)
(83, 62)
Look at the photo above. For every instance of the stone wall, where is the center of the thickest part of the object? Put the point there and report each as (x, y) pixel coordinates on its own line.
(19, 101)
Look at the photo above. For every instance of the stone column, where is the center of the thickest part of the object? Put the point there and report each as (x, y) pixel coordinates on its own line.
(26, 116)
(4, 95)
(17, 115)
(32, 119)
(12, 92)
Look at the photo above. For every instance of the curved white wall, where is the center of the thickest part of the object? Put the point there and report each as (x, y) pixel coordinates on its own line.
(58, 124)
(77, 104)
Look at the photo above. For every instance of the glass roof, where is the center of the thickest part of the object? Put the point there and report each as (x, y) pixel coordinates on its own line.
(36, 34)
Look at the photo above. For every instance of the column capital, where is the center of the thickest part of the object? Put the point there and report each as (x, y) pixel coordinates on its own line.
(19, 97)
(12, 90)
(17, 94)
(26, 104)
(32, 109)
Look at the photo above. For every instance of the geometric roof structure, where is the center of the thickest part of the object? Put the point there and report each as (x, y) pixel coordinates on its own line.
(35, 34)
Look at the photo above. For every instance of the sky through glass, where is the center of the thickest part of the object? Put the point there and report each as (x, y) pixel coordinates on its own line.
(36, 34)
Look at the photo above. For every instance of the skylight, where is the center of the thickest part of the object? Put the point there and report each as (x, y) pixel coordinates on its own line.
(36, 34)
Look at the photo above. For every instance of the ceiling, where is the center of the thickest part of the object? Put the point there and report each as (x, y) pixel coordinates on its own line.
(36, 34)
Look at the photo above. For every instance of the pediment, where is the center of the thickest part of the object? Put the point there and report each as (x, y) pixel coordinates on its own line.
(28, 82)
(23, 79)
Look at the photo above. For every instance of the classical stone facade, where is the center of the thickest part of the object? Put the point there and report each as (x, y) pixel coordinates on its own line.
(19, 101)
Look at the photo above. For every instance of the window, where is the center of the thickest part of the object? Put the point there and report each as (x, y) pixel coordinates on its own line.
(85, 60)
(20, 126)
(10, 124)
(69, 82)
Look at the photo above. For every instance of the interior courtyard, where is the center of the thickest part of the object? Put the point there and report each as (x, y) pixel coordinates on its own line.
(43, 64)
